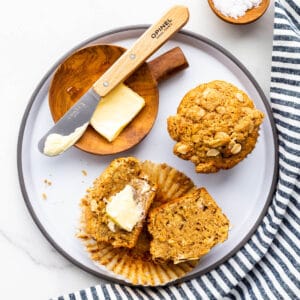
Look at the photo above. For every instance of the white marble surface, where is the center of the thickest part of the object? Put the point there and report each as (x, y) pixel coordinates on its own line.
(34, 34)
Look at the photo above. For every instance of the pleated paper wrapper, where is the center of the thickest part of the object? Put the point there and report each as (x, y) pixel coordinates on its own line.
(136, 265)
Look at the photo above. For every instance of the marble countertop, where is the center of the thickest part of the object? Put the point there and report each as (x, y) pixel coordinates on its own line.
(34, 34)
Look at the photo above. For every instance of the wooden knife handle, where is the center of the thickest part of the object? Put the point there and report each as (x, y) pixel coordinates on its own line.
(153, 38)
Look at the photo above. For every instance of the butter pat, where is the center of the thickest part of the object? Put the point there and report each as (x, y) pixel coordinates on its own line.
(115, 111)
(123, 210)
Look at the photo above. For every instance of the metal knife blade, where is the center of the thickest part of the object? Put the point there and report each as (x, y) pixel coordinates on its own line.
(76, 117)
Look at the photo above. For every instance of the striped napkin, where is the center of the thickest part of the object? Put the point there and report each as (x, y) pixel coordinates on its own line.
(268, 266)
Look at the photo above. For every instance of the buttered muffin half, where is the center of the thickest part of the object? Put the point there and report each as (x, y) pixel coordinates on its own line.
(118, 203)
(216, 126)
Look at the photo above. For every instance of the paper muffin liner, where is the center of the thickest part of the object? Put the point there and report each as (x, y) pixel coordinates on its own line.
(136, 265)
(170, 182)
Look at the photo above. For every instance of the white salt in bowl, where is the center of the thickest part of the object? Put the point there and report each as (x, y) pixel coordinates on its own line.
(249, 16)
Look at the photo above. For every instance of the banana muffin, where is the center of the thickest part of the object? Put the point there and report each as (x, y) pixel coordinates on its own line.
(136, 264)
(186, 228)
(119, 201)
(216, 126)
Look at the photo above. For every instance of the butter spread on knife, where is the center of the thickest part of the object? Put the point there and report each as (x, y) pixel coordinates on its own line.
(57, 143)
(116, 110)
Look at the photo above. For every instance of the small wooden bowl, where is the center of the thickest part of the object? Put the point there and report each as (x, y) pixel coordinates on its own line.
(80, 70)
(250, 16)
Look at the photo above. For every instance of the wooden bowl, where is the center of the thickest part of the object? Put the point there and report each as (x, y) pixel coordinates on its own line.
(80, 70)
(250, 16)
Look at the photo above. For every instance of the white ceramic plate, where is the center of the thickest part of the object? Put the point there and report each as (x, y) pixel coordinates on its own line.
(243, 192)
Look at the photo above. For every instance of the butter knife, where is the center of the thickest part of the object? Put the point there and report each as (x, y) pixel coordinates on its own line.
(68, 130)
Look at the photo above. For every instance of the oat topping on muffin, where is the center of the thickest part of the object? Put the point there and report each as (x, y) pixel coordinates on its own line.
(216, 126)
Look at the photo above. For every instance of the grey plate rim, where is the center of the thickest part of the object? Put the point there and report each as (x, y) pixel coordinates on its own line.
(21, 137)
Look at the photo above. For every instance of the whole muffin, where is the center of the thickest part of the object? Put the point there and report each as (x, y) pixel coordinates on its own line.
(216, 126)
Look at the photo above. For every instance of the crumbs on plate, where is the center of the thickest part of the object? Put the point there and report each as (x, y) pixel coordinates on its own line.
(47, 182)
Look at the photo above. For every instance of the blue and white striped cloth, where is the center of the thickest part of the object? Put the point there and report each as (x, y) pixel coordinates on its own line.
(268, 266)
